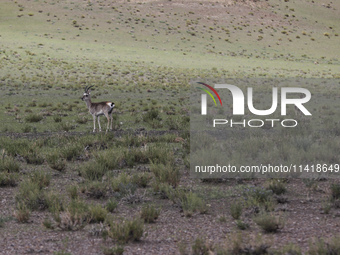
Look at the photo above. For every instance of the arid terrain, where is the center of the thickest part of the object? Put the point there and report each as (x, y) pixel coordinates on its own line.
(67, 190)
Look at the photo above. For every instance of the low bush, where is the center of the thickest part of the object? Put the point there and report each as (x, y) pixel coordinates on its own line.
(55, 161)
(33, 118)
(125, 231)
(97, 213)
(321, 246)
(236, 210)
(149, 213)
(166, 173)
(268, 222)
(277, 187)
(22, 213)
(111, 205)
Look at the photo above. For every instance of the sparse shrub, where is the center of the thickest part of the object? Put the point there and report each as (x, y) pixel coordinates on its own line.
(149, 213)
(54, 202)
(82, 120)
(93, 171)
(125, 231)
(325, 247)
(268, 222)
(95, 189)
(257, 195)
(335, 191)
(47, 223)
(97, 213)
(2, 221)
(120, 181)
(8, 180)
(242, 225)
(151, 115)
(72, 151)
(191, 203)
(142, 180)
(75, 216)
(111, 205)
(277, 187)
(73, 191)
(22, 213)
(117, 250)
(32, 157)
(239, 246)
(289, 249)
(9, 165)
(30, 195)
(201, 247)
(166, 173)
(26, 129)
(57, 119)
(65, 126)
(160, 154)
(41, 178)
(33, 118)
(55, 161)
(236, 210)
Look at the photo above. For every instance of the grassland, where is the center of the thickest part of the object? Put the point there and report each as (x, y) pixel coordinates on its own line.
(65, 190)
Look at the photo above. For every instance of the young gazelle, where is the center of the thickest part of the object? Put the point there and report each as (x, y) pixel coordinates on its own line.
(97, 109)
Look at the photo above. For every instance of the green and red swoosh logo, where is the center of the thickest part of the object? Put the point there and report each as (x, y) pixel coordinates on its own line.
(208, 92)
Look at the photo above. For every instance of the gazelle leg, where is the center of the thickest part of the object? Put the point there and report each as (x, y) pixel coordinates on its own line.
(100, 128)
(94, 123)
(108, 122)
(111, 121)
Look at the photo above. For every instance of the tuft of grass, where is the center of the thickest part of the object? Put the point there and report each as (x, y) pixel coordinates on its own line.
(31, 195)
(3, 220)
(27, 129)
(75, 216)
(149, 213)
(65, 126)
(97, 213)
(166, 173)
(277, 187)
(125, 231)
(239, 246)
(9, 165)
(111, 205)
(55, 161)
(22, 213)
(321, 246)
(236, 210)
(95, 189)
(242, 225)
(41, 178)
(31, 118)
(202, 247)
(73, 191)
(47, 223)
(57, 119)
(269, 222)
(93, 171)
(32, 157)
(54, 202)
(117, 250)
(72, 151)
(190, 202)
(335, 191)
(152, 116)
(8, 180)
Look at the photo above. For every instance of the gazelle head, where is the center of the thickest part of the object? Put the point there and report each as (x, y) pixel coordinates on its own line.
(86, 95)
